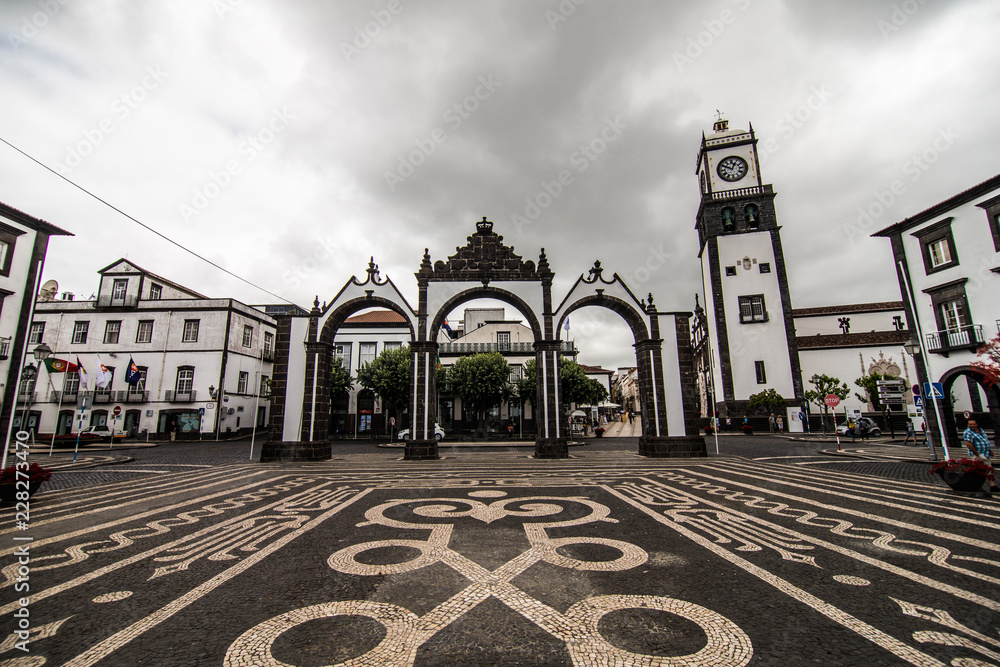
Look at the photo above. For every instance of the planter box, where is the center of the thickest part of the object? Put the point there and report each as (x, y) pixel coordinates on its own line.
(8, 492)
(963, 481)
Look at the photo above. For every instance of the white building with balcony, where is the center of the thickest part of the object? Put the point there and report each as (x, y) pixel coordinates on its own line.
(204, 364)
(947, 261)
(23, 242)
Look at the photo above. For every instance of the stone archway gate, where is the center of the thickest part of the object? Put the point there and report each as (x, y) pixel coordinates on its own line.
(484, 268)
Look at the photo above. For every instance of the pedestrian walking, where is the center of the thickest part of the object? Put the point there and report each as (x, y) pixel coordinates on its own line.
(629, 416)
(978, 444)
(510, 430)
(780, 423)
(771, 424)
(864, 430)
(850, 428)
(729, 424)
(910, 433)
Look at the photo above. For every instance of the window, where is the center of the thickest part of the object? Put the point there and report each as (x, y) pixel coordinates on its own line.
(268, 342)
(954, 314)
(953, 317)
(265, 386)
(752, 216)
(503, 341)
(190, 331)
(111, 331)
(118, 290)
(516, 373)
(71, 385)
(80, 332)
(367, 354)
(185, 380)
(144, 334)
(36, 333)
(241, 385)
(728, 219)
(730, 270)
(752, 309)
(937, 246)
(342, 351)
(761, 375)
(247, 335)
(392, 346)
(992, 207)
(8, 238)
(141, 384)
(155, 291)
(765, 267)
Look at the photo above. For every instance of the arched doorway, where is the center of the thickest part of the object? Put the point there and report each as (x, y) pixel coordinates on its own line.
(988, 418)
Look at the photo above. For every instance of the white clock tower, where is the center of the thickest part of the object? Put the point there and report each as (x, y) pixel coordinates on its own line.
(747, 304)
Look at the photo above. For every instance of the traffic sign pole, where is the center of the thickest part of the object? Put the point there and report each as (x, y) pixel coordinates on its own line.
(832, 401)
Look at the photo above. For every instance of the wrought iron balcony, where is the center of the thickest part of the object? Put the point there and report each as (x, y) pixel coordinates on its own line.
(27, 397)
(66, 397)
(510, 348)
(267, 355)
(133, 396)
(104, 396)
(4, 348)
(951, 340)
(181, 396)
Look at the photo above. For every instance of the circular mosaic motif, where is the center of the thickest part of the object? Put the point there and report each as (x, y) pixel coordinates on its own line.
(487, 494)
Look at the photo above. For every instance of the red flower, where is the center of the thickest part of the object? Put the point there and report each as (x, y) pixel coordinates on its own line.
(36, 473)
(973, 466)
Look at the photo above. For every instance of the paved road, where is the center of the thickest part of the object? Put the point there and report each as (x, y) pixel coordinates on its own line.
(198, 557)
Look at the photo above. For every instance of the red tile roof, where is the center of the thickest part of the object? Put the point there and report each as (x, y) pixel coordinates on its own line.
(377, 317)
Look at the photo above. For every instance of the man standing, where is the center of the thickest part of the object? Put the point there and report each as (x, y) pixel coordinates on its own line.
(978, 444)
(771, 423)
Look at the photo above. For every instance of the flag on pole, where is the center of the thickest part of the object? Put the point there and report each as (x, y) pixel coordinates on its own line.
(84, 379)
(59, 365)
(566, 326)
(447, 327)
(132, 374)
(103, 376)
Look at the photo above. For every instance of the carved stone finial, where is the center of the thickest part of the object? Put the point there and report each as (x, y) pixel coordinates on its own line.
(315, 310)
(543, 262)
(697, 306)
(649, 301)
(484, 227)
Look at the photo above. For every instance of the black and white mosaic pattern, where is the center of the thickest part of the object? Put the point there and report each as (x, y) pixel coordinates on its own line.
(609, 560)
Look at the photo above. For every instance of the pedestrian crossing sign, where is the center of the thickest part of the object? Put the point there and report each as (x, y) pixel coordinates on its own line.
(933, 390)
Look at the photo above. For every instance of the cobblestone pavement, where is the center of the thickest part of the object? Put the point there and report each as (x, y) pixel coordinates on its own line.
(494, 558)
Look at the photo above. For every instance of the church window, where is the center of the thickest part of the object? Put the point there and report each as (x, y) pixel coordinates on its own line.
(728, 219)
(752, 215)
(761, 375)
(752, 309)
(730, 270)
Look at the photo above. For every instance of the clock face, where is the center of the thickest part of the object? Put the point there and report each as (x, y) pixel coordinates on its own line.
(732, 168)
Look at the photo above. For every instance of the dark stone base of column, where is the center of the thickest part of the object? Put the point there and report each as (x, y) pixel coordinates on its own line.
(421, 450)
(295, 451)
(551, 448)
(685, 446)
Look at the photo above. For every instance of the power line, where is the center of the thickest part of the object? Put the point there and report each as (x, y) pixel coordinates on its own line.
(144, 225)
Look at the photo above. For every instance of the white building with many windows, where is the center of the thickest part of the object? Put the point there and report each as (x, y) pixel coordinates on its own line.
(947, 260)
(204, 365)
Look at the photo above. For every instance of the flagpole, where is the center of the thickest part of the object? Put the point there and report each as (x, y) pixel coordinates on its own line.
(58, 410)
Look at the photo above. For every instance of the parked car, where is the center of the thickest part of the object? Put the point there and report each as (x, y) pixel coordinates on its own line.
(874, 430)
(404, 434)
(93, 434)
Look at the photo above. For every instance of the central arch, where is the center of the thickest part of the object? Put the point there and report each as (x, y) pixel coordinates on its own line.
(484, 292)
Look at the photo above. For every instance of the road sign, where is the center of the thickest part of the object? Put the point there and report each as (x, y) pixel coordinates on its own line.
(933, 390)
(918, 401)
(117, 410)
(966, 414)
(201, 411)
(916, 390)
(832, 400)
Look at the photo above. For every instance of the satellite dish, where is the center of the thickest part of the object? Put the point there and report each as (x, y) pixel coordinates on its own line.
(48, 290)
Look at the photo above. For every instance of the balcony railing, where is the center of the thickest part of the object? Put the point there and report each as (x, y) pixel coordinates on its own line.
(104, 396)
(64, 397)
(516, 348)
(268, 355)
(4, 348)
(27, 397)
(133, 396)
(964, 338)
(128, 301)
(181, 396)
(742, 192)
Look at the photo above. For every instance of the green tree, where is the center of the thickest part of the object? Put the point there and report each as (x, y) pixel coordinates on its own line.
(574, 385)
(870, 384)
(767, 402)
(389, 377)
(481, 381)
(826, 385)
(340, 380)
(526, 387)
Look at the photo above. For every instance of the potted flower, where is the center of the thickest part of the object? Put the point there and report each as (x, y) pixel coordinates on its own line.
(11, 483)
(709, 430)
(747, 429)
(964, 474)
(599, 431)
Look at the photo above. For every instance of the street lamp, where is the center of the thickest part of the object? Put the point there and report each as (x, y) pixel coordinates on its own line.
(27, 385)
(912, 349)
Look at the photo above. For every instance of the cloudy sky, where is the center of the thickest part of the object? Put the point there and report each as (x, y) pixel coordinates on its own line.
(288, 141)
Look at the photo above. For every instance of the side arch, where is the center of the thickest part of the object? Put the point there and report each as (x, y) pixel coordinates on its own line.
(952, 427)
(626, 310)
(341, 312)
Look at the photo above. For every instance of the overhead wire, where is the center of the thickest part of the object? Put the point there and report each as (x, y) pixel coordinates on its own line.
(144, 225)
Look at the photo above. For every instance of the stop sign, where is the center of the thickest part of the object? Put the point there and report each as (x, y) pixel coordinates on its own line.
(831, 400)
(117, 410)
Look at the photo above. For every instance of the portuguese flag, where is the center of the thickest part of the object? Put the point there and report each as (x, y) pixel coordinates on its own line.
(60, 366)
